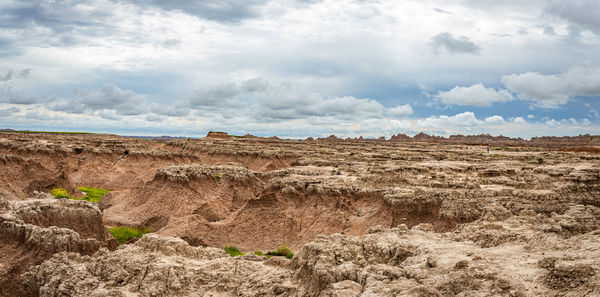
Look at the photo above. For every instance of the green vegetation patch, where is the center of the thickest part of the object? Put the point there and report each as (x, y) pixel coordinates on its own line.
(233, 251)
(60, 193)
(283, 251)
(91, 194)
(123, 234)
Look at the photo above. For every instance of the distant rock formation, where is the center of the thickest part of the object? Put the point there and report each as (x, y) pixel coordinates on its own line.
(216, 134)
(481, 139)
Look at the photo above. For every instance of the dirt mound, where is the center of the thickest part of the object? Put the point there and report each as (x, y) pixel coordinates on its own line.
(32, 230)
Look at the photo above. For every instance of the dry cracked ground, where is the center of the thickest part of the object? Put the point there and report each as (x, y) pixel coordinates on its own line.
(365, 218)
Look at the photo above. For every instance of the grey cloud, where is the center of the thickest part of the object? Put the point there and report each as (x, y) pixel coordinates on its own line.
(108, 115)
(8, 97)
(7, 77)
(154, 118)
(174, 111)
(9, 48)
(10, 75)
(581, 14)
(69, 106)
(9, 112)
(34, 115)
(255, 85)
(218, 96)
(462, 44)
(226, 11)
(224, 95)
(110, 97)
(264, 102)
(59, 15)
(54, 23)
(297, 106)
(171, 43)
(25, 73)
(24, 99)
(549, 30)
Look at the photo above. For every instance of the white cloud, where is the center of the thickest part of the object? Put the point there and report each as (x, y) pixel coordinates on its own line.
(400, 111)
(518, 120)
(461, 120)
(567, 122)
(475, 95)
(554, 90)
(494, 120)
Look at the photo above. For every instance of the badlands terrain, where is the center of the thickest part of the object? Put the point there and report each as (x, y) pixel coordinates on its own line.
(422, 216)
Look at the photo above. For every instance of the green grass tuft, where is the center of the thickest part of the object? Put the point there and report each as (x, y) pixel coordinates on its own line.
(283, 251)
(259, 253)
(93, 194)
(123, 234)
(233, 251)
(60, 193)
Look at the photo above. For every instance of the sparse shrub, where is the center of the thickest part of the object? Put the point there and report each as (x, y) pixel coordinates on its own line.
(259, 253)
(540, 160)
(352, 153)
(123, 234)
(283, 251)
(60, 193)
(233, 251)
(218, 177)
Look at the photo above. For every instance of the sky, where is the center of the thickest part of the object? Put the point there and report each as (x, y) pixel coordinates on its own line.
(300, 68)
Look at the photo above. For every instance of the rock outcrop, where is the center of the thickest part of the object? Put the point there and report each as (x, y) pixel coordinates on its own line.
(33, 230)
(384, 262)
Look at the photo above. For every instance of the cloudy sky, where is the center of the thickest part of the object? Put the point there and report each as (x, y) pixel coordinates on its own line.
(299, 68)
